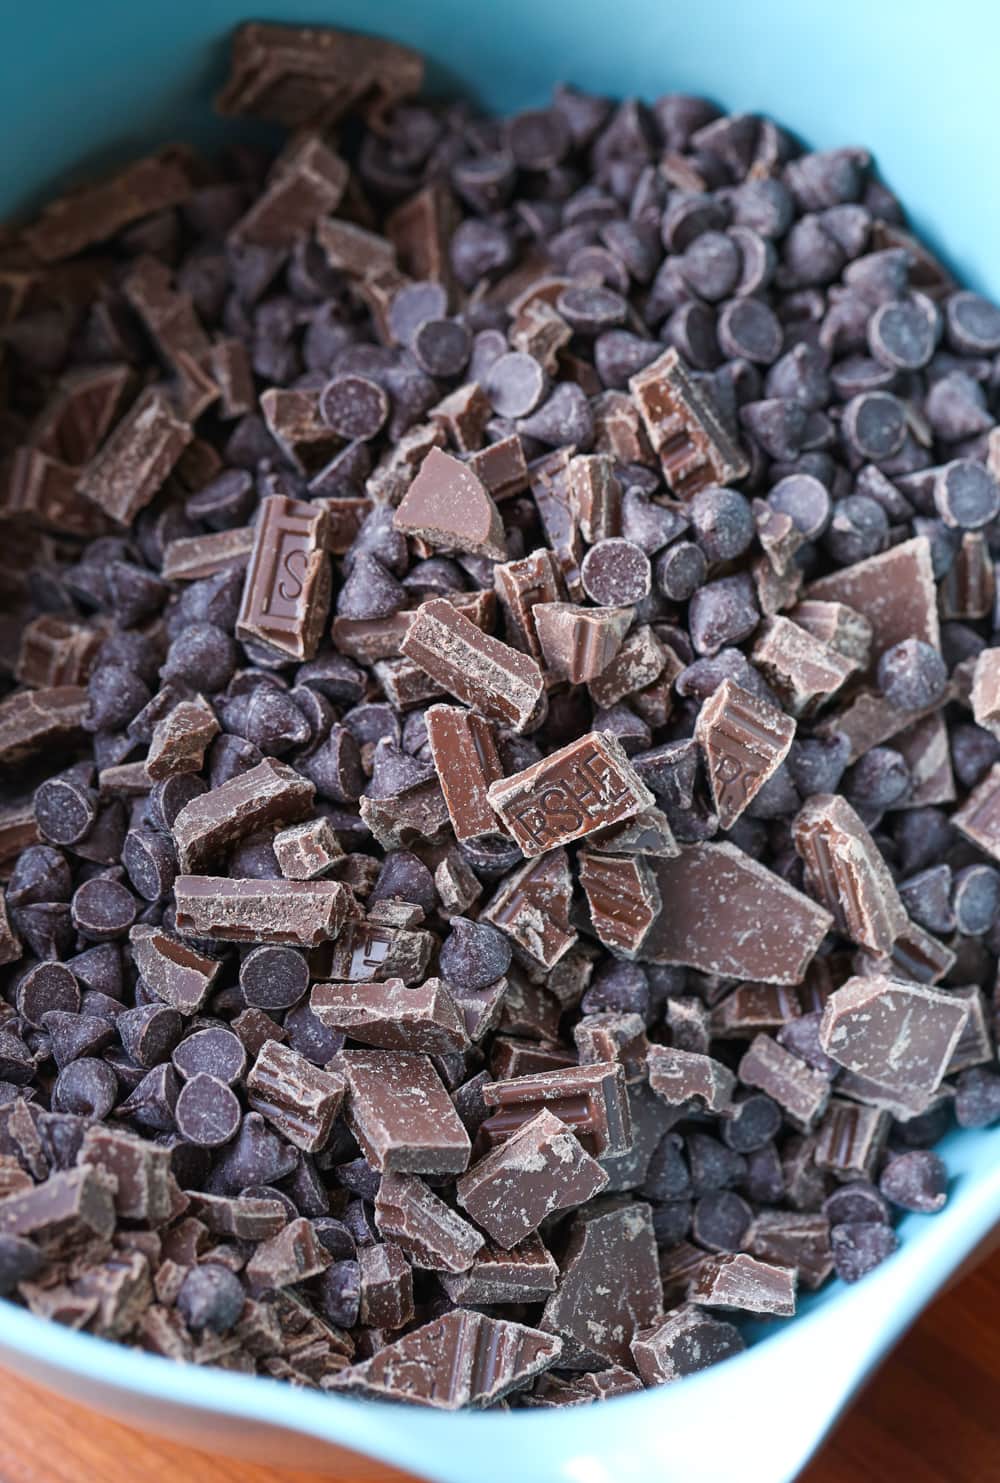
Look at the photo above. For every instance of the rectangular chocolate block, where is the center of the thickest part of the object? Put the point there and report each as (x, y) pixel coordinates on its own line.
(433, 1236)
(271, 793)
(595, 496)
(131, 466)
(722, 915)
(804, 671)
(524, 1274)
(623, 898)
(743, 742)
(586, 785)
(295, 1096)
(476, 668)
(190, 558)
(97, 212)
(799, 1091)
(286, 598)
(846, 871)
(34, 720)
(401, 1114)
(393, 1015)
(590, 1100)
(299, 913)
(685, 428)
(746, 1284)
(465, 756)
(501, 466)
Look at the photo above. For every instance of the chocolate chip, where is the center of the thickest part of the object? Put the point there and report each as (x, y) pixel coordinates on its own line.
(915, 1181)
(46, 987)
(474, 955)
(680, 570)
(211, 1297)
(207, 1112)
(273, 978)
(102, 909)
(87, 1088)
(354, 406)
(912, 675)
(972, 323)
(616, 573)
(966, 495)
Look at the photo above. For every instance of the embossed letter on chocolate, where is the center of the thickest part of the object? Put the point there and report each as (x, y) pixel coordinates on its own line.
(466, 759)
(744, 741)
(578, 789)
(287, 593)
(685, 428)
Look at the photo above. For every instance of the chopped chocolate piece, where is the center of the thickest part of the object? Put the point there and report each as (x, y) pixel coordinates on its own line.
(684, 1343)
(465, 756)
(640, 660)
(393, 1016)
(792, 1240)
(532, 907)
(447, 505)
(685, 428)
(623, 898)
(306, 851)
(589, 1100)
(400, 1113)
(181, 739)
(294, 419)
(462, 1359)
(986, 691)
(141, 1169)
(97, 212)
(595, 496)
(272, 793)
(743, 741)
(368, 950)
(800, 1091)
(577, 643)
(294, 1096)
(130, 468)
(65, 1214)
(292, 1256)
(297, 913)
(894, 591)
(593, 1316)
(172, 970)
(433, 1236)
(287, 593)
(35, 720)
(752, 1007)
(54, 652)
(524, 1274)
(743, 1282)
(851, 1139)
(539, 1169)
(722, 905)
(679, 1076)
(582, 787)
(190, 558)
(305, 183)
(847, 872)
(979, 817)
(47, 493)
(246, 1217)
(902, 1034)
(476, 668)
(805, 671)
(521, 586)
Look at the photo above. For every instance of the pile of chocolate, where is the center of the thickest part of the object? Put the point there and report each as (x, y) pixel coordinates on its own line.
(499, 742)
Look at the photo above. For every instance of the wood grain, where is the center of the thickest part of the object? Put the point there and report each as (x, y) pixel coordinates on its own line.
(930, 1415)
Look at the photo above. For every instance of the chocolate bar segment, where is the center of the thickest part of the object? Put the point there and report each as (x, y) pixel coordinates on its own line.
(681, 1076)
(34, 720)
(173, 970)
(895, 591)
(393, 1015)
(579, 643)
(623, 898)
(433, 1236)
(286, 598)
(585, 786)
(684, 428)
(743, 741)
(590, 1100)
(305, 183)
(799, 1090)
(532, 907)
(271, 793)
(902, 1034)
(805, 671)
(97, 212)
(746, 1284)
(467, 762)
(190, 558)
(295, 1096)
(448, 506)
(297, 913)
(526, 1273)
(847, 872)
(131, 466)
(476, 668)
(400, 1113)
(520, 587)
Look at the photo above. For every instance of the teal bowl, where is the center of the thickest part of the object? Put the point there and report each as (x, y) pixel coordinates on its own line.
(82, 85)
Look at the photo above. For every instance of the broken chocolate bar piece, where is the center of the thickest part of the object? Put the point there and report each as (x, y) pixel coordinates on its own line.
(181, 739)
(526, 1273)
(448, 506)
(172, 970)
(681, 1076)
(586, 785)
(837, 626)
(851, 1139)
(54, 652)
(805, 671)
(211, 823)
(595, 1316)
(901, 1034)
(743, 741)
(590, 1100)
(462, 1359)
(294, 1255)
(595, 496)
(293, 419)
(789, 1238)
(190, 558)
(393, 1015)
(746, 1284)
(623, 897)
(401, 1114)
(520, 587)
(131, 466)
(978, 818)
(894, 590)
(579, 643)
(501, 466)
(97, 212)
(305, 183)
(366, 951)
(532, 907)
(801, 1092)
(684, 1343)
(45, 492)
(295, 1096)
(476, 668)
(297, 913)
(846, 871)
(65, 1213)
(307, 851)
(286, 598)
(36, 720)
(465, 756)
(539, 1169)
(685, 428)
(432, 1235)
(723, 906)
(141, 1169)
(640, 661)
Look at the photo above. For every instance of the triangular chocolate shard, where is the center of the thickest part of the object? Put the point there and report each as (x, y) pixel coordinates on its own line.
(448, 506)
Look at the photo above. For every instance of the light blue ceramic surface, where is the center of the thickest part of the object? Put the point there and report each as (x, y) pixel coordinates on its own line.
(82, 84)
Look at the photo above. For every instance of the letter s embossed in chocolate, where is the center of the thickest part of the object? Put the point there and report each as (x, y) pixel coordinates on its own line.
(286, 598)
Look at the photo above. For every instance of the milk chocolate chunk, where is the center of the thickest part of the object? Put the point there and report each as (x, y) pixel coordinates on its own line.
(35, 720)
(720, 910)
(902, 1034)
(305, 183)
(594, 1316)
(211, 823)
(431, 1234)
(447, 505)
(685, 428)
(286, 598)
(462, 1359)
(623, 898)
(524, 1274)
(584, 786)
(979, 817)
(417, 814)
(521, 586)
(463, 415)
(401, 1114)
(805, 671)
(97, 212)
(595, 496)
(851, 1139)
(744, 1283)
(647, 833)
(307, 851)
(895, 591)
(167, 313)
(369, 950)
(541, 1168)
(968, 588)
(65, 1213)
(789, 1238)
(590, 1100)
(310, 76)
(296, 1097)
(579, 643)
(532, 907)
(45, 492)
(54, 652)
(465, 756)
(189, 558)
(753, 1007)
(838, 626)
(132, 465)
(846, 871)
(172, 970)
(292, 1256)
(800, 1091)
(681, 1076)
(141, 1168)
(296, 913)
(743, 741)
(181, 739)
(476, 668)
(394, 1016)
(640, 661)
(247, 1217)
(293, 418)
(684, 1343)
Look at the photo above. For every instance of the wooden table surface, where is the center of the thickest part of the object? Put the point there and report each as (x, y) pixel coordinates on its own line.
(930, 1415)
